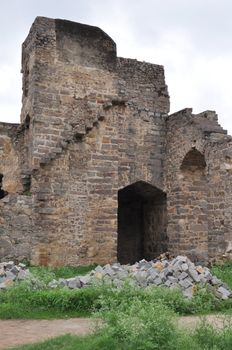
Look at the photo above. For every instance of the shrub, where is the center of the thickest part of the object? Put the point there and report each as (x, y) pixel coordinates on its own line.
(140, 325)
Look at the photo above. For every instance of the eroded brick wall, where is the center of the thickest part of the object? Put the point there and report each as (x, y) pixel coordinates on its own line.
(94, 123)
(93, 126)
(16, 206)
(197, 185)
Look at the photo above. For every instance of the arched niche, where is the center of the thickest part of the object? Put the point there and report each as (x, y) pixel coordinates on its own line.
(193, 160)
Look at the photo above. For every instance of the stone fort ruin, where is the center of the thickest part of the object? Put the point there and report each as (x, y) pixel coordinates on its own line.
(97, 170)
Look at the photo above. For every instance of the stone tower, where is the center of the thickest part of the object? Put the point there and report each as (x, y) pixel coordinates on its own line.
(97, 171)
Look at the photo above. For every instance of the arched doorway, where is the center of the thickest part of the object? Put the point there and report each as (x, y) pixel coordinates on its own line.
(142, 222)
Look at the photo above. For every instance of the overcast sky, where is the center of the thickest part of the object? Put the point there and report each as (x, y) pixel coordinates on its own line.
(191, 38)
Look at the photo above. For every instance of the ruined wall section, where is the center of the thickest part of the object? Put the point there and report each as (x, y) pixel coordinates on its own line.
(10, 158)
(77, 206)
(91, 117)
(142, 124)
(53, 55)
(16, 206)
(196, 185)
(220, 181)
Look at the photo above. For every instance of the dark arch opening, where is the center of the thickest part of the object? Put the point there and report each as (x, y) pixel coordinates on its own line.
(2, 192)
(142, 223)
(27, 121)
(193, 160)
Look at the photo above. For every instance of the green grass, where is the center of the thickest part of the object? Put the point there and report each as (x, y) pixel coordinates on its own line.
(22, 301)
(29, 300)
(33, 298)
(72, 342)
(224, 273)
(49, 273)
(16, 311)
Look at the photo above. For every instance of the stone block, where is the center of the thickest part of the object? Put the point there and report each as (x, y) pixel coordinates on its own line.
(85, 279)
(62, 282)
(15, 270)
(172, 279)
(184, 267)
(74, 283)
(225, 293)
(186, 283)
(193, 274)
(157, 281)
(182, 275)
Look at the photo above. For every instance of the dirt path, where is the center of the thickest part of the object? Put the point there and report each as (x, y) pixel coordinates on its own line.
(18, 332)
(218, 321)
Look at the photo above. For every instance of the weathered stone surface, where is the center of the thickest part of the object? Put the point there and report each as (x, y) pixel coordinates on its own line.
(142, 275)
(9, 273)
(224, 293)
(97, 171)
(74, 283)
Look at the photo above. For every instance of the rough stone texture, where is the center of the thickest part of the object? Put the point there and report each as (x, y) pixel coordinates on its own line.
(97, 170)
(163, 272)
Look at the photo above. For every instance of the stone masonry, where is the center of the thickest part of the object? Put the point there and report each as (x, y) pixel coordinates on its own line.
(97, 170)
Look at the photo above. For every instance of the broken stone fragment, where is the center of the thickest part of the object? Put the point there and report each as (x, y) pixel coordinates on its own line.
(8, 265)
(22, 266)
(186, 283)
(225, 293)
(158, 265)
(85, 279)
(193, 274)
(215, 281)
(15, 270)
(53, 284)
(62, 282)
(74, 283)
(108, 270)
(99, 275)
(172, 279)
(183, 275)
(200, 269)
(184, 267)
(99, 269)
(152, 273)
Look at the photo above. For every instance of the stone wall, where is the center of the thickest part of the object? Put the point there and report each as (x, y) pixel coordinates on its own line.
(93, 124)
(197, 185)
(97, 170)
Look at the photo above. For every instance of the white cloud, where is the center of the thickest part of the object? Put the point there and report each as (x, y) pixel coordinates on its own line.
(10, 93)
(190, 38)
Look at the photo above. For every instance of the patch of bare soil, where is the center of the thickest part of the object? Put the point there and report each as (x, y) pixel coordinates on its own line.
(19, 332)
(218, 321)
